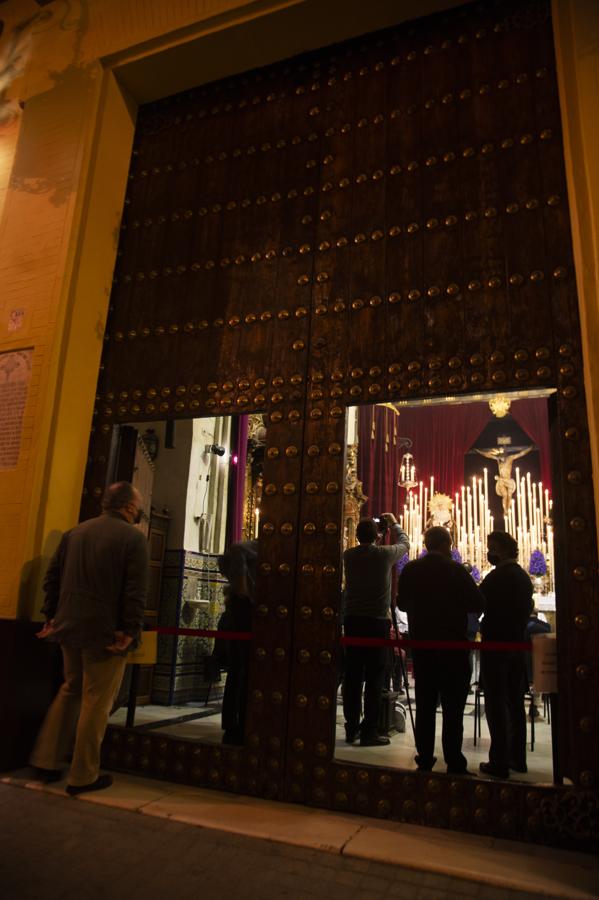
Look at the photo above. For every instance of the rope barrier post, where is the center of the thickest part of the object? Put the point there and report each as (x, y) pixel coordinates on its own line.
(132, 703)
(404, 673)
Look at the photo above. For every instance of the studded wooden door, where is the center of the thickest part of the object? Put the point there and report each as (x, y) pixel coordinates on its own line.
(383, 219)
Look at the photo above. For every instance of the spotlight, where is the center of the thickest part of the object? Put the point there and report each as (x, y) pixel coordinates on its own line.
(217, 449)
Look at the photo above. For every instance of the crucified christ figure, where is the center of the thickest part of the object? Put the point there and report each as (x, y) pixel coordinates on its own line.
(504, 483)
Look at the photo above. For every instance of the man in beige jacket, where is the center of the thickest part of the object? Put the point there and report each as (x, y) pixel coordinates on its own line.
(96, 587)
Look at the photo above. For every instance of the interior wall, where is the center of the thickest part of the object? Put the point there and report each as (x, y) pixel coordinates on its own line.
(207, 487)
(170, 478)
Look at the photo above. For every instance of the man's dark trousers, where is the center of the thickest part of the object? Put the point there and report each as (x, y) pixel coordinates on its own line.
(503, 677)
(237, 657)
(444, 675)
(364, 665)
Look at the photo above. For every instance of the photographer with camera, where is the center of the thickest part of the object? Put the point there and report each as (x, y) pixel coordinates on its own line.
(368, 569)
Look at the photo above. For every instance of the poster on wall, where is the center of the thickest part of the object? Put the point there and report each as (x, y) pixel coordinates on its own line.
(15, 372)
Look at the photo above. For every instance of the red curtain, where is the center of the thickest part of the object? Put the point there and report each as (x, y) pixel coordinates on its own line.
(441, 435)
(379, 460)
(532, 416)
(240, 450)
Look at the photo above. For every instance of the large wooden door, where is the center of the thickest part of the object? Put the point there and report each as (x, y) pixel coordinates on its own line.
(382, 219)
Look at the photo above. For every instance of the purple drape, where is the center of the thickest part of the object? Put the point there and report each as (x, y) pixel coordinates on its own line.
(240, 450)
(533, 417)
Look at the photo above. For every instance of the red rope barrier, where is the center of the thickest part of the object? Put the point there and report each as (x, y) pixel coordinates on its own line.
(203, 632)
(505, 646)
(500, 646)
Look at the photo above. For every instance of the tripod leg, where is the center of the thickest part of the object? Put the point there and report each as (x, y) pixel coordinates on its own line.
(404, 675)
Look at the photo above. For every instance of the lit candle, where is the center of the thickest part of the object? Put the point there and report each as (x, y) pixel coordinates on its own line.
(469, 508)
(257, 521)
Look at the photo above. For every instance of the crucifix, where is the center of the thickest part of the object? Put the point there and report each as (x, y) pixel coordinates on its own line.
(504, 483)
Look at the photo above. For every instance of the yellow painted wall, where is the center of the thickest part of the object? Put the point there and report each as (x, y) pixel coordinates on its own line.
(62, 185)
(63, 165)
(576, 26)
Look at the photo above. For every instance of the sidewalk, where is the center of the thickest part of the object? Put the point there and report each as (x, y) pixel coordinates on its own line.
(252, 848)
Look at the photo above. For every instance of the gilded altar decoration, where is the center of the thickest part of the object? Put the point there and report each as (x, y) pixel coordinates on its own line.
(354, 498)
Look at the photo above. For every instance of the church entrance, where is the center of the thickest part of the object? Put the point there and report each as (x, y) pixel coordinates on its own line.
(380, 222)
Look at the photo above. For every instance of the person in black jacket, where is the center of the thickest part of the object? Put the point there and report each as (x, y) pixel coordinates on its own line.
(238, 565)
(507, 592)
(96, 585)
(437, 594)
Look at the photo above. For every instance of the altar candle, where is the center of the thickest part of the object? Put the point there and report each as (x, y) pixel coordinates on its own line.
(518, 497)
(432, 486)
(469, 499)
(474, 504)
(551, 560)
(425, 509)
(256, 522)
(546, 503)
(420, 496)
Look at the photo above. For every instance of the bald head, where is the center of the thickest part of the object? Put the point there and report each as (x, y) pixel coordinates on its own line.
(438, 540)
(122, 497)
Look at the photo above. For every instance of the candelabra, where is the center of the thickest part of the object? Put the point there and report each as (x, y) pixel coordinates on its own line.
(407, 472)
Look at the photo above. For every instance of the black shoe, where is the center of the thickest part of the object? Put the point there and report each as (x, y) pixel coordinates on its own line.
(374, 740)
(494, 771)
(352, 733)
(425, 766)
(522, 767)
(103, 781)
(47, 776)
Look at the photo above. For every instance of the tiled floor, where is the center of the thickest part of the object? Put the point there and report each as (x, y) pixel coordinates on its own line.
(400, 753)
(378, 859)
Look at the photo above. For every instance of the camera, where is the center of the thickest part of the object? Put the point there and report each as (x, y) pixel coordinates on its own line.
(381, 525)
